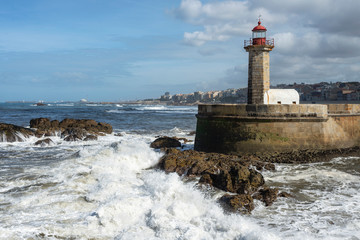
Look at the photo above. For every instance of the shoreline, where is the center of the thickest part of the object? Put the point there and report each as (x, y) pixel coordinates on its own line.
(170, 103)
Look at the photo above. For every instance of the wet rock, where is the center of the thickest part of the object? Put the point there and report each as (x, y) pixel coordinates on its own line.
(229, 173)
(13, 133)
(269, 166)
(240, 179)
(88, 125)
(41, 123)
(192, 133)
(225, 172)
(74, 134)
(206, 178)
(267, 195)
(285, 195)
(71, 129)
(241, 203)
(256, 179)
(165, 142)
(185, 140)
(44, 142)
(45, 127)
(91, 138)
(223, 181)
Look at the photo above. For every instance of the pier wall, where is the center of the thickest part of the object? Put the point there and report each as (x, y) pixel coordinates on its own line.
(256, 128)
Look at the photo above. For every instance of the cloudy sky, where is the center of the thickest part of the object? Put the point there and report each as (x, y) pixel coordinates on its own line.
(111, 50)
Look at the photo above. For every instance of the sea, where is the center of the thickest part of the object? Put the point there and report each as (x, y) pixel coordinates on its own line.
(111, 189)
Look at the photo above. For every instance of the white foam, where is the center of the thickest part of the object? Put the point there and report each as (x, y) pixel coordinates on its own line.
(115, 111)
(326, 203)
(107, 192)
(151, 108)
(65, 104)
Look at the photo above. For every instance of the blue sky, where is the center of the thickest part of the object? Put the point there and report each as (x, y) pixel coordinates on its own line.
(111, 50)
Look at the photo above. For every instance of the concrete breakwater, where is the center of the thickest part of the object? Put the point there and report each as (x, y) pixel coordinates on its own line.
(259, 128)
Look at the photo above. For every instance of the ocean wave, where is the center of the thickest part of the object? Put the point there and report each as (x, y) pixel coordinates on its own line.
(108, 190)
(325, 203)
(65, 104)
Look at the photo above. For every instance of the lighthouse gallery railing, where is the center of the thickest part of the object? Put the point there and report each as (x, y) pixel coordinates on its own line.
(267, 42)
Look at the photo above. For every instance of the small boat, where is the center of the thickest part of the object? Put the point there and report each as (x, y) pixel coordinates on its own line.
(40, 104)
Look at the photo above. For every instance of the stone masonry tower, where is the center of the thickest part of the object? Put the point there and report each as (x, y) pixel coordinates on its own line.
(259, 64)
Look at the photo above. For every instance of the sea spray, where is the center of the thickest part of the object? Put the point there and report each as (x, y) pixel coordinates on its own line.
(325, 203)
(108, 191)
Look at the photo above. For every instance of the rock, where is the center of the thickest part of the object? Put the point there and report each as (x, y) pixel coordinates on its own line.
(241, 203)
(74, 134)
(13, 133)
(219, 170)
(91, 138)
(223, 181)
(267, 195)
(165, 142)
(71, 129)
(206, 178)
(40, 123)
(230, 173)
(44, 142)
(185, 140)
(192, 133)
(285, 195)
(256, 179)
(239, 180)
(105, 128)
(89, 125)
(45, 127)
(269, 166)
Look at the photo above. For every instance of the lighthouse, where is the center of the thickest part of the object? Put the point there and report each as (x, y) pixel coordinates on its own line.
(258, 48)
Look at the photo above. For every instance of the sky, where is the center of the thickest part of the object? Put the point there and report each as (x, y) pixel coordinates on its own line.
(117, 50)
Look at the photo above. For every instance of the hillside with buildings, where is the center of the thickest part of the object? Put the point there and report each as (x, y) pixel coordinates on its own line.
(323, 91)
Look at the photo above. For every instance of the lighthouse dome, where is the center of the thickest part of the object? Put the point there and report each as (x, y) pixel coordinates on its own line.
(259, 27)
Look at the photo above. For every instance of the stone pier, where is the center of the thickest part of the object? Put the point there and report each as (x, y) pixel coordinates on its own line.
(259, 128)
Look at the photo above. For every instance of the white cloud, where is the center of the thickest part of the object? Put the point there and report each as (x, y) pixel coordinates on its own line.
(314, 40)
(212, 33)
(220, 20)
(189, 9)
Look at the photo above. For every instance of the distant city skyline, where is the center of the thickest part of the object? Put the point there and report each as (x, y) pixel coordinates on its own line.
(116, 50)
(322, 91)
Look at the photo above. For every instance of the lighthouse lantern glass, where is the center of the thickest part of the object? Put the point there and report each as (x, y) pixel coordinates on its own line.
(259, 34)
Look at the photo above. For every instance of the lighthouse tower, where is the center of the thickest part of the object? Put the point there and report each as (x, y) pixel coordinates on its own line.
(259, 64)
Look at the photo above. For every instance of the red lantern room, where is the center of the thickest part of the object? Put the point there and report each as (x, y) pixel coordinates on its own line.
(259, 34)
(259, 37)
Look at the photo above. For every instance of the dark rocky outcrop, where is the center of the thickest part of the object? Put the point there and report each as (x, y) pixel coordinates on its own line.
(307, 155)
(267, 195)
(74, 128)
(226, 172)
(165, 142)
(44, 142)
(70, 129)
(90, 126)
(91, 138)
(45, 127)
(74, 134)
(285, 195)
(242, 203)
(13, 133)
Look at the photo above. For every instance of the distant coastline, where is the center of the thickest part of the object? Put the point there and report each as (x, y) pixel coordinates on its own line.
(319, 93)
